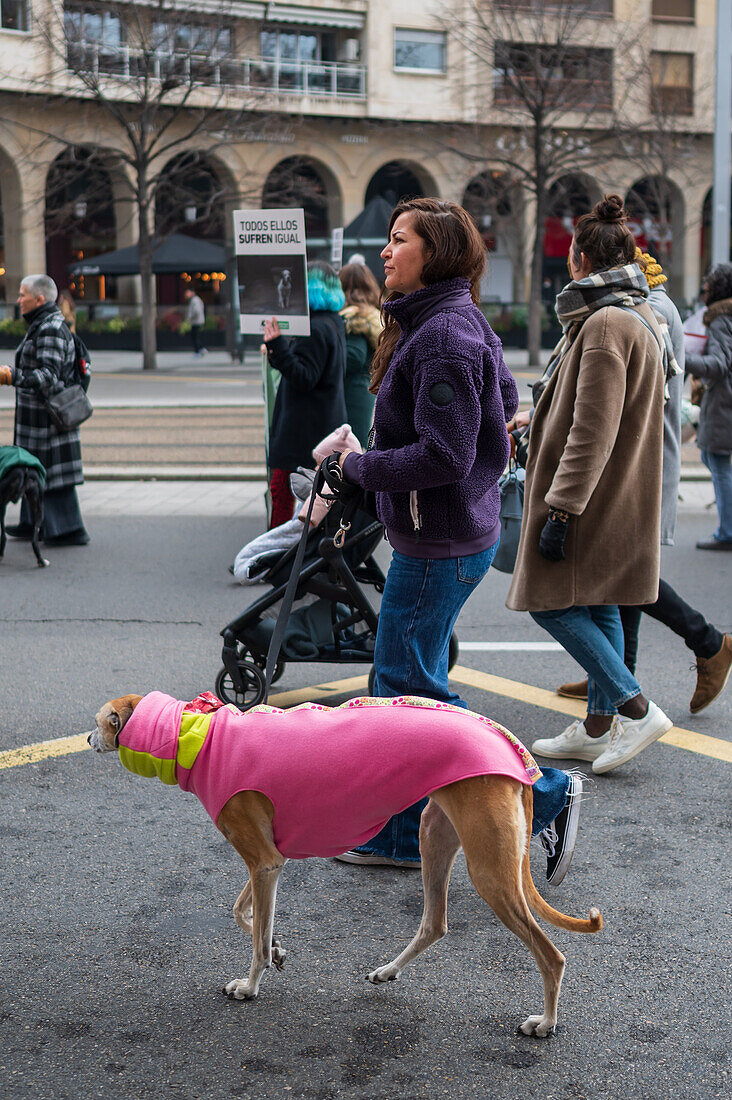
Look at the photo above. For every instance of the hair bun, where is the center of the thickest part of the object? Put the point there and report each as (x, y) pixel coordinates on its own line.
(610, 209)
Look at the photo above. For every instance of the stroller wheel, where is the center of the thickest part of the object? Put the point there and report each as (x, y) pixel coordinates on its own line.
(261, 662)
(253, 683)
(452, 656)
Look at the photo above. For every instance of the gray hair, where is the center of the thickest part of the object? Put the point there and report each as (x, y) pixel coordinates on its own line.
(42, 286)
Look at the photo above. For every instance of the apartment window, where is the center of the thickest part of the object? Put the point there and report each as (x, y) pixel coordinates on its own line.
(94, 40)
(297, 46)
(673, 11)
(420, 51)
(672, 83)
(14, 15)
(208, 39)
(525, 72)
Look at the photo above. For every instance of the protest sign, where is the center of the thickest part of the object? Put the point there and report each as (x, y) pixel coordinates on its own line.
(271, 267)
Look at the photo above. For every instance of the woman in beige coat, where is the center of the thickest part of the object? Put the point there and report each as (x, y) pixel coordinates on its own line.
(591, 530)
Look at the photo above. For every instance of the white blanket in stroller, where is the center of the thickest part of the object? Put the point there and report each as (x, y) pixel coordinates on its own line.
(254, 559)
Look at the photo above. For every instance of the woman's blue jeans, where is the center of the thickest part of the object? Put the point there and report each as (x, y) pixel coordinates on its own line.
(422, 600)
(594, 637)
(720, 467)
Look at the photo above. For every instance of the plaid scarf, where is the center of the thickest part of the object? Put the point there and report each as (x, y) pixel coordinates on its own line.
(616, 286)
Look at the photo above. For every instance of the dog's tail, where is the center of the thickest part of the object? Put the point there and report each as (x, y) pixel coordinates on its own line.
(537, 902)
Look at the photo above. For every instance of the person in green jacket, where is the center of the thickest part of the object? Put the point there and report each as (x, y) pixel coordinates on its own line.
(363, 328)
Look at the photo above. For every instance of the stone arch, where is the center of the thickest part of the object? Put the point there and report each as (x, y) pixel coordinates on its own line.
(79, 216)
(398, 179)
(655, 206)
(495, 202)
(304, 181)
(569, 197)
(195, 195)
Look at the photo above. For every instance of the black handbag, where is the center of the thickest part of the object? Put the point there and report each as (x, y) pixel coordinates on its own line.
(512, 514)
(69, 408)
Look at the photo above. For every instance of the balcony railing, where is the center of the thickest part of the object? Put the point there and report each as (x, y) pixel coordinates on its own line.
(319, 79)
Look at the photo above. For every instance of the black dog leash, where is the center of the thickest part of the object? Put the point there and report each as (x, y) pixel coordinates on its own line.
(329, 473)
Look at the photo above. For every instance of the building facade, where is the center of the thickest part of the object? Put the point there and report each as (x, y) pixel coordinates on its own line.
(341, 104)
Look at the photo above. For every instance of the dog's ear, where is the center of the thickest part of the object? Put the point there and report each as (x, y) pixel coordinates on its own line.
(122, 710)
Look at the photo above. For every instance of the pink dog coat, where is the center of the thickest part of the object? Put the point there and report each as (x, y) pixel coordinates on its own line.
(335, 775)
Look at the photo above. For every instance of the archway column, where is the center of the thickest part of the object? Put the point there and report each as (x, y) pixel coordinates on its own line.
(25, 239)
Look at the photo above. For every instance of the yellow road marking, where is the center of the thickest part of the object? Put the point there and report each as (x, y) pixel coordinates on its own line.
(538, 697)
(699, 743)
(29, 754)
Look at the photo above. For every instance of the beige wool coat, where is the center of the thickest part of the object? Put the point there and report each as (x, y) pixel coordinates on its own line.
(595, 451)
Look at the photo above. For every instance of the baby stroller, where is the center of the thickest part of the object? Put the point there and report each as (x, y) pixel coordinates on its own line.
(334, 575)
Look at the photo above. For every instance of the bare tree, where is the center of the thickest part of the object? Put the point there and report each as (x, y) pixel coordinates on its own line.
(544, 71)
(161, 92)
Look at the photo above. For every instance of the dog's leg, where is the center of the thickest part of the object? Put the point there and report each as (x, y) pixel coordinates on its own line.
(34, 496)
(438, 845)
(264, 881)
(243, 909)
(488, 815)
(246, 821)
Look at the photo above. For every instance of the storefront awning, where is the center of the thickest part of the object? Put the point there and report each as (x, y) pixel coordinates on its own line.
(172, 256)
(302, 15)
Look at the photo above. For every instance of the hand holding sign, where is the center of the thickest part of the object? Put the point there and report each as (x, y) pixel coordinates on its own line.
(271, 330)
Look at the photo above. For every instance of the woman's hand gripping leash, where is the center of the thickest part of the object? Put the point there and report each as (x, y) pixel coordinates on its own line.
(342, 490)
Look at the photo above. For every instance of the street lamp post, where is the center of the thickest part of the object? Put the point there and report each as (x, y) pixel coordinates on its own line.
(722, 143)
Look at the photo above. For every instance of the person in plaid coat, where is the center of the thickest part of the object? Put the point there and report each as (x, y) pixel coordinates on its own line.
(44, 365)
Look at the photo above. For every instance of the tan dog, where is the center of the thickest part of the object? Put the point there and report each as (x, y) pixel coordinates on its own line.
(488, 815)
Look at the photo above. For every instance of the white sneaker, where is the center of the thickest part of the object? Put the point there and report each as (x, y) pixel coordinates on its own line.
(574, 743)
(629, 736)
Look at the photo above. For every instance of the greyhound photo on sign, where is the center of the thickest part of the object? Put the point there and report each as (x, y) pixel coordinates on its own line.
(271, 265)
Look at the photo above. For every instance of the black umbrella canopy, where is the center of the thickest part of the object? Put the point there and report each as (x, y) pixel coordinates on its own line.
(175, 254)
(370, 228)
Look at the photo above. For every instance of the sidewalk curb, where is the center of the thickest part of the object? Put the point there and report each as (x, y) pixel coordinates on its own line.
(245, 473)
(175, 473)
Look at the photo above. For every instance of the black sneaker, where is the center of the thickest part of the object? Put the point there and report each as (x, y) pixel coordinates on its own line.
(558, 839)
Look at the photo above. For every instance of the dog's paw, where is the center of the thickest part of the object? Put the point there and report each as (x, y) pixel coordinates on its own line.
(240, 990)
(383, 974)
(278, 954)
(538, 1027)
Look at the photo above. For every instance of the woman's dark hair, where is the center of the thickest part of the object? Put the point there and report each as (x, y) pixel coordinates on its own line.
(359, 286)
(718, 284)
(603, 236)
(453, 249)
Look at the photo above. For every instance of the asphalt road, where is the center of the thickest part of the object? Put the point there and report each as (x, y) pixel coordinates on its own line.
(117, 934)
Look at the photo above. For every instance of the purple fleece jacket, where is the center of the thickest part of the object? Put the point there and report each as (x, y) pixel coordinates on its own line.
(440, 427)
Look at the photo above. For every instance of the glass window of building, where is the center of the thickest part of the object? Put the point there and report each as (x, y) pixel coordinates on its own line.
(420, 51)
(297, 45)
(673, 11)
(14, 15)
(173, 36)
(672, 82)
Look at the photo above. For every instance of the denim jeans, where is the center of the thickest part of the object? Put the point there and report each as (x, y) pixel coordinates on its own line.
(594, 637)
(422, 600)
(720, 467)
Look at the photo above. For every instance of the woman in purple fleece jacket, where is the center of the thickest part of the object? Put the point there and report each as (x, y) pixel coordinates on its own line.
(440, 446)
